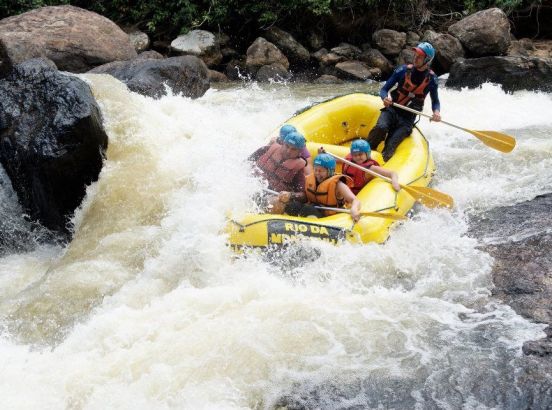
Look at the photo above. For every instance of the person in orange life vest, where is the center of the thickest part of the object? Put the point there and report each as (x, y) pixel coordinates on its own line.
(283, 168)
(284, 131)
(324, 187)
(360, 154)
(408, 85)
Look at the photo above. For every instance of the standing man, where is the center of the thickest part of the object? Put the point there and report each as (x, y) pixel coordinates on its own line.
(408, 85)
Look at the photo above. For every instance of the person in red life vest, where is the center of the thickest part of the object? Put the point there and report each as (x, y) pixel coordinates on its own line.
(284, 131)
(408, 85)
(324, 187)
(283, 168)
(360, 154)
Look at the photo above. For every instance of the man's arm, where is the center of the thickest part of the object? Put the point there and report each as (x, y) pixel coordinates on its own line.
(258, 154)
(397, 76)
(435, 103)
(350, 198)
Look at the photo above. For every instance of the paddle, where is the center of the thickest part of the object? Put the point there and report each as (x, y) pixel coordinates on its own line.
(497, 140)
(395, 217)
(427, 196)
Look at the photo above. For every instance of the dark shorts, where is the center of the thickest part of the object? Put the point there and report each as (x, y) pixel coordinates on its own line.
(393, 127)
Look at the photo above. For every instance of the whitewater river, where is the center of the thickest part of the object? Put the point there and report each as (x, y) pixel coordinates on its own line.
(148, 309)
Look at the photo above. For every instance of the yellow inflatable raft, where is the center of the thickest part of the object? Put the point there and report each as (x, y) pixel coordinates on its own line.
(334, 124)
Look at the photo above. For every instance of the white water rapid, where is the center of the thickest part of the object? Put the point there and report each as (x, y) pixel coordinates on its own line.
(148, 309)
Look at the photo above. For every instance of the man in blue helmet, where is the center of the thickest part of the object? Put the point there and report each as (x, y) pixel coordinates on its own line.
(408, 85)
(282, 166)
(284, 131)
(326, 188)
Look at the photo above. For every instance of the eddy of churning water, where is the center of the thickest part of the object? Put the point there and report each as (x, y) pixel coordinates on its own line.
(148, 308)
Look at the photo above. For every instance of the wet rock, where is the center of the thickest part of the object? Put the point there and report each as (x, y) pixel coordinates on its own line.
(448, 50)
(17, 233)
(406, 56)
(328, 79)
(374, 58)
(353, 70)
(237, 70)
(412, 39)
(540, 348)
(513, 73)
(328, 59)
(199, 43)
(150, 55)
(73, 38)
(51, 140)
(542, 48)
(297, 55)
(186, 75)
(347, 51)
(389, 42)
(263, 52)
(272, 72)
(217, 77)
(139, 40)
(519, 239)
(484, 33)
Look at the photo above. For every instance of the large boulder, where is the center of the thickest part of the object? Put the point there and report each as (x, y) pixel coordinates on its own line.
(389, 42)
(186, 75)
(484, 33)
(272, 72)
(51, 140)
(374, 58)
(513, 73)
(326, 58)
(139, 40)
(297, 54)
(262, 52)
(353, 70)
(346, 50)
(448, 50)
(75, 39)
(406, 56)
(412, 39)
(199, 43)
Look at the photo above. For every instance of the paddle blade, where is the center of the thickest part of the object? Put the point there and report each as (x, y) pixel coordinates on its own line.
(395, 217)
(497, 140)
(429, 197)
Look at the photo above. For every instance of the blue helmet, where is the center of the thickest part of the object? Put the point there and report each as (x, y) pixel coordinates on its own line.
(295, 139)
(285, 130)
(360, 146)
(428, 51)
(325, 161)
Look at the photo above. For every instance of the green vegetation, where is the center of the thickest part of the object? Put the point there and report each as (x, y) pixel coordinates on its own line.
(164, 19)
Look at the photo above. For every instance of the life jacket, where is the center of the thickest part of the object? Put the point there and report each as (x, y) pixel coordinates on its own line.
(326, 192)
(279, 172)
(359, 177)
(410, 94)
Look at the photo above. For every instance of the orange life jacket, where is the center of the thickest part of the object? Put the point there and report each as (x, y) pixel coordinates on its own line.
(279, 172)
(326, 192)
(359, 177)
(410, 94)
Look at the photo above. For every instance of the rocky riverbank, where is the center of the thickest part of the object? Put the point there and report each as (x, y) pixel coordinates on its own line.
(475, 49)
(519, 237)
